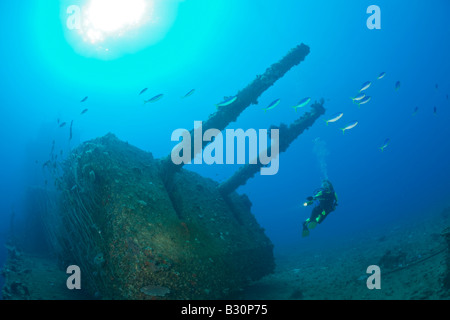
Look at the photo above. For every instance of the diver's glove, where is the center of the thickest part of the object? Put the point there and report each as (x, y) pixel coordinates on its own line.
(309, 201)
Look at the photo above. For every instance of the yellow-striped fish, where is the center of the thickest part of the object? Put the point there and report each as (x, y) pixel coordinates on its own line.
(365, 86)
(359, 97)
(364, 101)
(335, 118)
(272, 105)
(381, 76)
(190, 93)
(385, 145)
(302, 103)
(227, 101)
(350, 126)
(154, 99)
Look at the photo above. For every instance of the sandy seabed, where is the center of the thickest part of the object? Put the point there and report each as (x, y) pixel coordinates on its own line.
(412, 258)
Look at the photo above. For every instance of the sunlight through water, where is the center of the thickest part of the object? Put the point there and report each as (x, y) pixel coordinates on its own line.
(108, 29)
(113, 17)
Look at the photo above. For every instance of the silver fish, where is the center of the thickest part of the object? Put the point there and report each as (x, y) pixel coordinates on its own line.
(350, 126)
(272, 105)
(385, 145)
(302, 103)
(359, 97)
(335, 118)
(365, 86)
(364, 101)
(227, 101)
(154, 99)
(190, 93)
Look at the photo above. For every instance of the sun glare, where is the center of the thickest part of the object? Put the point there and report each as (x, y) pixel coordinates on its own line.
(106, 18)
(109, 29)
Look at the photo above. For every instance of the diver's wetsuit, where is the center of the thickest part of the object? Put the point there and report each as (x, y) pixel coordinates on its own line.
(327, 203)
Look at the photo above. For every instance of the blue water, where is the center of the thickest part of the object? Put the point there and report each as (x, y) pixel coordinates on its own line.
(218, 47)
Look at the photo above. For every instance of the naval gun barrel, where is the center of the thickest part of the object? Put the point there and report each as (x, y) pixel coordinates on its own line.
(287, 135)
(244, 98)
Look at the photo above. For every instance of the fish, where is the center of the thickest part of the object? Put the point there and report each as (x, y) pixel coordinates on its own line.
(71, 125)
(84, 99)
(57, 120)
(190, 93)
(84, 111)
(365, 86)
(435, 111)
(272, 105)
(397, 85)
(350, 126)
(62, 125)
(385, 144)
(143, 90)
(437, 86)
(302, 103)
(227, 101)
(335, 118)
(154, 99)
(359, 97)
(446, 96)
(416, 109)
(364, 101)
(381, 76)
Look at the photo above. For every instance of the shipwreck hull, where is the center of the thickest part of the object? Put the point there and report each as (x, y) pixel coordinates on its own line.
(136, 237)
(143, 228)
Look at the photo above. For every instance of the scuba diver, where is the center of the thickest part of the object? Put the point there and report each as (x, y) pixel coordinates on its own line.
(327, 202)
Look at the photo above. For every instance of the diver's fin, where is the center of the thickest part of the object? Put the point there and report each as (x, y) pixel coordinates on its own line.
(305, 233)
(312, 225)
